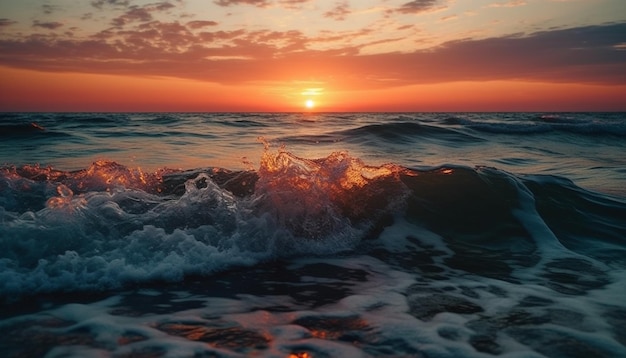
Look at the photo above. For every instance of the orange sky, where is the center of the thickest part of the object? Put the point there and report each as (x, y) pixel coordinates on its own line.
(263, 55)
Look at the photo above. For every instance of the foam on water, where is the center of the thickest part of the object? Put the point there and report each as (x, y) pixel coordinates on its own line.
(502, 317)
(357, 305)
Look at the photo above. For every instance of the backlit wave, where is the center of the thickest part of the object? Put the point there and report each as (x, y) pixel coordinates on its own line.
(109, 225)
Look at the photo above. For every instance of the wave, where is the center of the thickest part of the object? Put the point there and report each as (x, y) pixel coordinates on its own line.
(461, 129)
(409, 131)
(243, 123)
(595, 124)
(21, 129)
(29, 131)
(108, 226)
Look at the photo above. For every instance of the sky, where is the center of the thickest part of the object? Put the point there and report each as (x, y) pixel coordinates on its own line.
(334, 55)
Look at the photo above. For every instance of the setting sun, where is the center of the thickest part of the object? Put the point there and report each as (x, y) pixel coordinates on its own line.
(309, 104)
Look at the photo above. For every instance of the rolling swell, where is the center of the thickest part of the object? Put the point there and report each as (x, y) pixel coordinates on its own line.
(109, 225)
(595, 125)
(575, 215)
(28, 131)
(496, 223)
(408, 132)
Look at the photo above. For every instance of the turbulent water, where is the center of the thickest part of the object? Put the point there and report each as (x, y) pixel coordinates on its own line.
(313, 235)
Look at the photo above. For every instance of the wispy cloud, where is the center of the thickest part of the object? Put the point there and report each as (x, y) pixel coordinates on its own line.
(51, 25)
(49, 9)
(259, 3)
(289, 4)
(7, 22)
(132, 15)
(417, 6)
(99, 4)
(141, 13)
(448, 18)
(339, 11)
(292, 4)
(198, 24)
(511, 3)
(161, 6)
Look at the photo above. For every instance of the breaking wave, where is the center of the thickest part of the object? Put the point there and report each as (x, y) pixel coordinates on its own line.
(109, 225)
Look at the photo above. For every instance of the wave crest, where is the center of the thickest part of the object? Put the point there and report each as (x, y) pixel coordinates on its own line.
(110, 225)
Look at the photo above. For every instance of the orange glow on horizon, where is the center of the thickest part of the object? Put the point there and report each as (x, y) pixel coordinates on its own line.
(26, 90)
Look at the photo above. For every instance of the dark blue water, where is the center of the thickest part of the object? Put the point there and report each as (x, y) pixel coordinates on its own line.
(313, 235)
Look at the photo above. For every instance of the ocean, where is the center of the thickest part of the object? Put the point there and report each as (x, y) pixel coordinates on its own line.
(313, 235)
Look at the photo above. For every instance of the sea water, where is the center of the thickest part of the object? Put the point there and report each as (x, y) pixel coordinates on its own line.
(313, 234)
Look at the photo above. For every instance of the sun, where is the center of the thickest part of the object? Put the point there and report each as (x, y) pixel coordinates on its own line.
(309, 104)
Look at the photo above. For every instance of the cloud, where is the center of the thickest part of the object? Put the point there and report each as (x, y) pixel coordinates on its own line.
(52, 25)
(289, 4)
(200, 24)
(99, 4)
(7, 22)
(132, 15)
(140, 14)
(339, 12)
(511, 3)
(259, 3)
(49, 9)
(162, 6)
(293, 3)
(417, 6)
(583, 54)
(449, 18)
(591, 54)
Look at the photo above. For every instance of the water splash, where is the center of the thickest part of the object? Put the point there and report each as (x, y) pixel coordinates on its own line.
(316, 198)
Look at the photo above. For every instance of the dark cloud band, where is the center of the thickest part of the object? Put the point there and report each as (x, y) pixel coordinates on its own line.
(590, 54)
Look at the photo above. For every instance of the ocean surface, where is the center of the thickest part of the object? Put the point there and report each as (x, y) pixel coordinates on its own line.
(313, 235)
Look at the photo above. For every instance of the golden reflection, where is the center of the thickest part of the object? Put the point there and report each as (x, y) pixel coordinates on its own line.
(129, 338)
(334, 328)
(101, 175)
(232, 337)
(108, 175)
(65, 201)
(37, 173)
(312, 197)
(300, 355)
(113, 174)
(351, 329)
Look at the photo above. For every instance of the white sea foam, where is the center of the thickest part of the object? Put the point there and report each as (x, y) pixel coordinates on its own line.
(377, 316)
